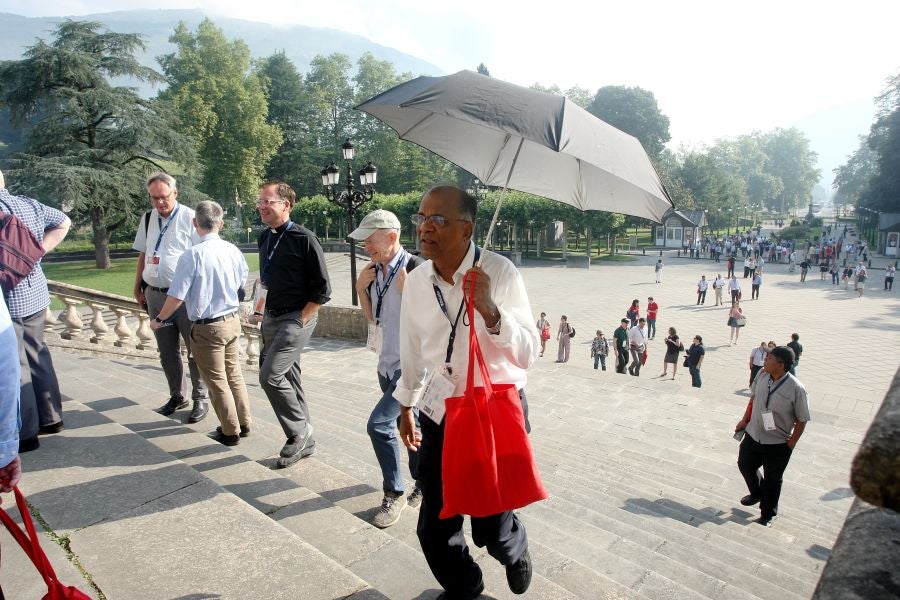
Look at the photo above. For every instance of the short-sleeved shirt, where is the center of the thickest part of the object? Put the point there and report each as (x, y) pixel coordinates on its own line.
(621, 336)
(31, 295)
(694, 354)
(208, 277)
(178, 236)
(388, 316)
(788, 404)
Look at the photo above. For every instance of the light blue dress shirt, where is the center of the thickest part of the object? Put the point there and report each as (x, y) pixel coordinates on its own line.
(389, 319)
(10, 419)
(208, 276)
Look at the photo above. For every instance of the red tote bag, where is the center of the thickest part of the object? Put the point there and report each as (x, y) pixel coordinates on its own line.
(488, 466)
(29, 542)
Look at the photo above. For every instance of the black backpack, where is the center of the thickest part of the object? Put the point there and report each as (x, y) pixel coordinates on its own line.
(571, 331)
(20, 251)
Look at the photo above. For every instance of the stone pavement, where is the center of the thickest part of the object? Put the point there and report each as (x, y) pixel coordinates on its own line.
(641, 471)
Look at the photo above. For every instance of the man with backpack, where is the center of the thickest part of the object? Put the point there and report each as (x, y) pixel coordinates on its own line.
(380, 289)
(41, 402)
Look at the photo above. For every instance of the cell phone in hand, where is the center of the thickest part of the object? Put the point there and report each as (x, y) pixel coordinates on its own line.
(739, 434)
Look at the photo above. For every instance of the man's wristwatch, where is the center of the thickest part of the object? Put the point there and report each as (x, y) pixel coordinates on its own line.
(158, 320)
(495, 328)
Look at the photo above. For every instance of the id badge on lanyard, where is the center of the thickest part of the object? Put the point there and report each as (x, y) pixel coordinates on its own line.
(375, 338)
(439, 385)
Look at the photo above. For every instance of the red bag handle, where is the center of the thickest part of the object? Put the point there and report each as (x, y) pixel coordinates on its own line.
(474, 346)
(29, 543)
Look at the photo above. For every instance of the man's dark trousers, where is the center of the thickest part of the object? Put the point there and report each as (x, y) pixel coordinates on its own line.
(773, 458)
(41, 402)
(443, 540)
(621, 361)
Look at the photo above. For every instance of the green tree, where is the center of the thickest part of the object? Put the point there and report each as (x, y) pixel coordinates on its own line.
(89, 144)
(745, 158)
(790, 160)
(634, 111)
(483, 70)
(713, 189)
(883, 193)
(851, 180)
(223, 106)
(287, 110)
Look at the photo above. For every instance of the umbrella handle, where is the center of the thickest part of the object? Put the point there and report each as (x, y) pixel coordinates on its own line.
(490, 232)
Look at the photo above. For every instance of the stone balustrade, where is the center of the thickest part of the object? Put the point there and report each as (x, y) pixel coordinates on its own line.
(102, 322)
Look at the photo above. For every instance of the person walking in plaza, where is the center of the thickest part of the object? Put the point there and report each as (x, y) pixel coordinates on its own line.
(757, 282)
(658, 269)
(564, 337)
(734, 288)
(207, 278)
(445, 226)
(889, 278)
(674, 348)
(380, 289)
(804, 269)
(736, 321)
(757, 360)
(730, 266)
(861, 276)
(620, 335)
(718, 285)
(694, 360)
(599, 350)
(797, 348)
(543, 327)
(775, 418)
(748, 266)
(293, 273)
(637, 345)
(40, 399)
(164, 233)
(652, 311)
(634, 312)
(702, 286)
(835, 273)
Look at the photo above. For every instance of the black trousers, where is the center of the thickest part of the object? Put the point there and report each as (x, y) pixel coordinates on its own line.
(701, 297)
(41, 402)
(443, 540)
(621, 361)
(773, 458)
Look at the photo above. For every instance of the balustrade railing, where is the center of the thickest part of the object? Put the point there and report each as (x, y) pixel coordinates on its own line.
(118, 323)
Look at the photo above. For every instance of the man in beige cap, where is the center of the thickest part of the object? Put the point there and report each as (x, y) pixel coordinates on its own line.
(380, 285)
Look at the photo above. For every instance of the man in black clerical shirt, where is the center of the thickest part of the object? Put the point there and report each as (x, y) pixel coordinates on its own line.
(293, 273)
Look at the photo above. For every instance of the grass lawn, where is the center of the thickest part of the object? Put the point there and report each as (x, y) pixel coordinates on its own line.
(118, 279)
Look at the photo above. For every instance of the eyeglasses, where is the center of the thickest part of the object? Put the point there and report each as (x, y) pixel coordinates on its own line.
(161, 198)
(436, 220)
(268, 201)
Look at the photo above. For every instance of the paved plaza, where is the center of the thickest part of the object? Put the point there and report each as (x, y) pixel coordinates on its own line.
(641, 471)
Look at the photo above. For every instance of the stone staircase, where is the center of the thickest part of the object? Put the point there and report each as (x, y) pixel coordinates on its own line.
(642, 476)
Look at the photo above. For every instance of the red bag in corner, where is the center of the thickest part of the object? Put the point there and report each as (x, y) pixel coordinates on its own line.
(488, 466)
(30, 544)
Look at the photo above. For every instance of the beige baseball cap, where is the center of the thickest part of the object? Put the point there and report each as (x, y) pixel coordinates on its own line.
(375, 220)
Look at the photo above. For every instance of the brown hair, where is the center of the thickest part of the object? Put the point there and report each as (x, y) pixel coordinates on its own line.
(282, 190)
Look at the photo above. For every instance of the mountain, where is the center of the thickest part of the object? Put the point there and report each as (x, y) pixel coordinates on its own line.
(300, 43)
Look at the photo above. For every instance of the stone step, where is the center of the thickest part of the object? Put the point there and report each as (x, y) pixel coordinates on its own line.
(394, 566)
(176, 533)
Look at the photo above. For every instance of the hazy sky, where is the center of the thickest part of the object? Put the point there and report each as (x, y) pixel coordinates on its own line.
(717, 68)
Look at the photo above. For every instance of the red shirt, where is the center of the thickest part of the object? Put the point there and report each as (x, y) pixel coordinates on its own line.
(651, 310)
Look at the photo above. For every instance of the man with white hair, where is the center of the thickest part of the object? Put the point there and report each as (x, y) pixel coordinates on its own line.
(380, 289)
(163, 235)
(41, 402)
(207, 279)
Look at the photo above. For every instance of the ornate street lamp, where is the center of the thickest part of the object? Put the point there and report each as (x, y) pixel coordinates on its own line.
(350, 199)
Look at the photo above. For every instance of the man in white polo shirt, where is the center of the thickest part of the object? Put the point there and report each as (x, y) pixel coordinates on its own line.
(163, 234)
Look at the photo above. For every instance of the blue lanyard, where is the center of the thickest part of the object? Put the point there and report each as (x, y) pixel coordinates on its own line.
(772, 390)
(443, 304)
(380, 292)
(163, 230)
(270, 253)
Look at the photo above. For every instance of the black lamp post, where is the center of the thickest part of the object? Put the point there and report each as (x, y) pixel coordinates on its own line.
(350, 199)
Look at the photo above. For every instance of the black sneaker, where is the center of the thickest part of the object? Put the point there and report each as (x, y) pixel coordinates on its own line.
(226, 440)
(750, 500)
(174, 403)
(284, 462)
(297, 443)
(51, 428)
(29, 444)
(518, 574)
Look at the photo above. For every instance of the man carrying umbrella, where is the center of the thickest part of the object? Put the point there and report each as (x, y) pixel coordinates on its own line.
(434, 345)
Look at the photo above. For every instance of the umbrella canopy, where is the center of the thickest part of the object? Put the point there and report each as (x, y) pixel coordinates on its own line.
(510, 136)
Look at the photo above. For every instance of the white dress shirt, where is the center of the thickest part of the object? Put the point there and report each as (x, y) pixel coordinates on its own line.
(425, 330)
(179, 236)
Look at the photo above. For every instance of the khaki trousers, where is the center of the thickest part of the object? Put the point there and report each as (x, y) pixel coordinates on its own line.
(215, 349)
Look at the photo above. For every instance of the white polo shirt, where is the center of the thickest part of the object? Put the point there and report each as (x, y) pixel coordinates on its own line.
(178, 236)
